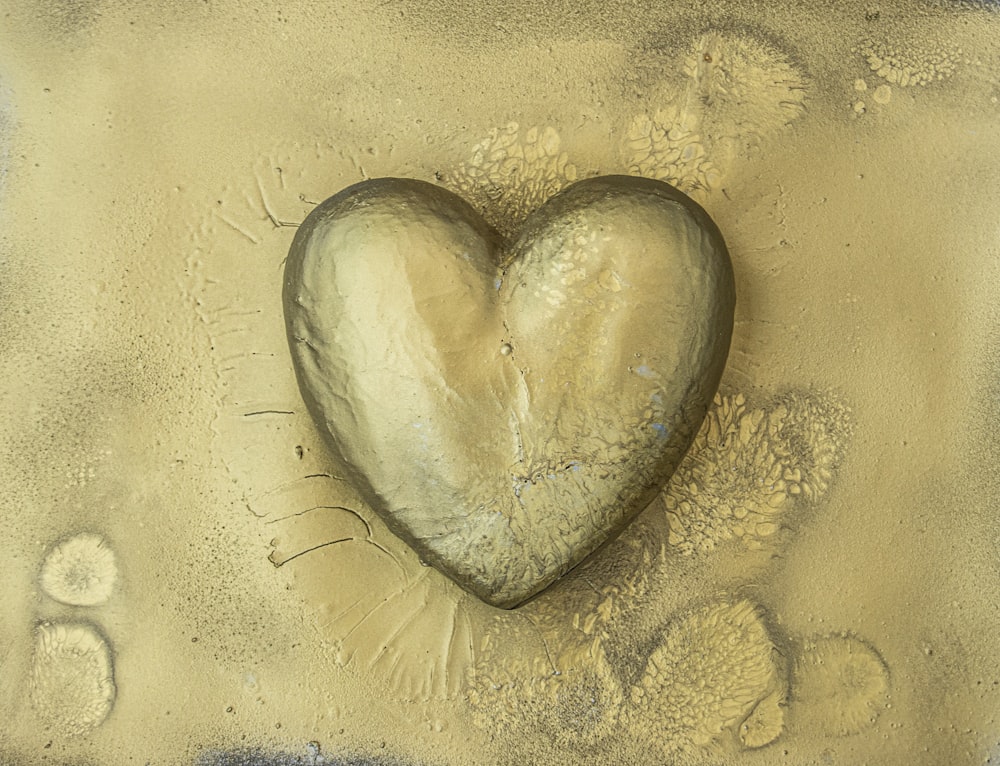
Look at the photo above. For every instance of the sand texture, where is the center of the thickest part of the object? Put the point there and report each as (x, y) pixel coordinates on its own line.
(195, 575)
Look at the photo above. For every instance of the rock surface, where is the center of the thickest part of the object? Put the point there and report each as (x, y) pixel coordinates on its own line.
(507, 409)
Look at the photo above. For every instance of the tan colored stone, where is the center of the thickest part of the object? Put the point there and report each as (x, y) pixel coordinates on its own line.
(507, 410)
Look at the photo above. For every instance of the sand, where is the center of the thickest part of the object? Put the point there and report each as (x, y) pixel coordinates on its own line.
(820, 580)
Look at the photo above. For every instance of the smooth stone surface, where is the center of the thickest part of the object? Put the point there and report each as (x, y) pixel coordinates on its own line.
(507, 410)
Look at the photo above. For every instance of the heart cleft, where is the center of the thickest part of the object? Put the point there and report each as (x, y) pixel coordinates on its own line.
(507, 408)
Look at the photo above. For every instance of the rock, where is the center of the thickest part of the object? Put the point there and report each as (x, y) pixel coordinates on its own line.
(508, 409)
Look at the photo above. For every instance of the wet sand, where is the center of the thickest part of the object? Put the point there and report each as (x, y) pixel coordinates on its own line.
(187, 580)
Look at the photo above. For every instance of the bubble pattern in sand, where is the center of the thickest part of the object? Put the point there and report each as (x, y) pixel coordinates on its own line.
(750, 466)
(715, 680)
(558, 678)
(914, 62)
(80, 571)
(841, 685)
(72, 686)
(736, 91)
(511, 173)
(745, 87)
(666, 146)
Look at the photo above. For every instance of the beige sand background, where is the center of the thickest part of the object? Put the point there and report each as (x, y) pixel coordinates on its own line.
(819, 585)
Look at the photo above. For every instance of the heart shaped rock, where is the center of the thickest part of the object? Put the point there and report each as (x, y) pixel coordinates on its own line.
(508, 409)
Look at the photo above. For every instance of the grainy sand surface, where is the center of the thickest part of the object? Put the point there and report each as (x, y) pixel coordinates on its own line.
(185, 579)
